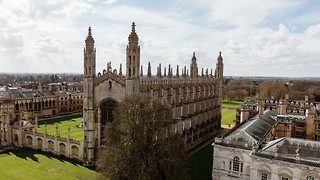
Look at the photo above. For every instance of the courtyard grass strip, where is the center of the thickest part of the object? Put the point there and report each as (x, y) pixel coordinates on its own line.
(228, 115)
(231, 104)
(63, 123)
(228, 111)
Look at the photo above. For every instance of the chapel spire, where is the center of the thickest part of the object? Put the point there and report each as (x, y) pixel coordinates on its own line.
(89, 41)
(193, 66)
(133, 63)
(88, 98)
(219, 67)
(149, 70)
(133, 37)
(133, 27)
(89, 31)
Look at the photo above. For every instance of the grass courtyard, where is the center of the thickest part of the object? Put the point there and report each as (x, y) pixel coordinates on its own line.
(31, 164)
(63, 124)
(228, 115)
(229, 111)
(231, 104)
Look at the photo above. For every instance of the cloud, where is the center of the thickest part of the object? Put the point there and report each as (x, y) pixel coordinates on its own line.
(252, 37)
(11, 41)
(246, 13)
(281, 49)
(110, 1)
(313, 30)
(3, 23)
(47, 45)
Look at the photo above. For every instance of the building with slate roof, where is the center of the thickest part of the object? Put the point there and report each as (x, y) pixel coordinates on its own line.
(267, 146)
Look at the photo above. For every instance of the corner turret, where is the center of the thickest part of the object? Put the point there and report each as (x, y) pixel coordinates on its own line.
(194, 66)
(88, 99)
(133, 63)
(219, 76)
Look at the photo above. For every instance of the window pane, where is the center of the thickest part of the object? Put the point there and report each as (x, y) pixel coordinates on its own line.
(235, 164)
(309, 178)
(264, 176)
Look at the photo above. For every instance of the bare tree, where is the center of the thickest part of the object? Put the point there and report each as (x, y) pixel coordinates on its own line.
(139, 145)
(270, 88)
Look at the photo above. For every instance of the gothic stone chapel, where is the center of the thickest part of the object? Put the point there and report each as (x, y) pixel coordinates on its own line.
(195, 98)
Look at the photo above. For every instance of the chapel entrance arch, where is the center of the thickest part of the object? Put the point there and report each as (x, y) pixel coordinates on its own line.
(107, 107)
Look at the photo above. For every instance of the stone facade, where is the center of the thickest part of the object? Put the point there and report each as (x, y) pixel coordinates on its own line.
(195, 98)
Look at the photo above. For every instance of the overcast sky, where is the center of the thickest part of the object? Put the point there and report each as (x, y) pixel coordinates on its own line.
(256, 37)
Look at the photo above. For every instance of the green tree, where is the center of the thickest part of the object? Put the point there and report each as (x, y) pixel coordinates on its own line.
(138, 144)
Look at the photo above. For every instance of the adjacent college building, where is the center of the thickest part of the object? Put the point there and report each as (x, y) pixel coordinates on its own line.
(280, 142)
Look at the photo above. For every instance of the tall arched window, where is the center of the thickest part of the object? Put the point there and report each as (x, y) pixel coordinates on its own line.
(264, 176)
(236, 165)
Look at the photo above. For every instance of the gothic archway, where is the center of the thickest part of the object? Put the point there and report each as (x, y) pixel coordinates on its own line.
(107, 107)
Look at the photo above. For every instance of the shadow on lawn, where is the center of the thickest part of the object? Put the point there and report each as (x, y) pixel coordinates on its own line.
(59, 120)
(24, 154)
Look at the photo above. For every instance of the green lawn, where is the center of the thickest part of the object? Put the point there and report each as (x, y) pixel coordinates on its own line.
(63, 123)
(228, 115)
(229, 111)
(31, 164)
(231, 104)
